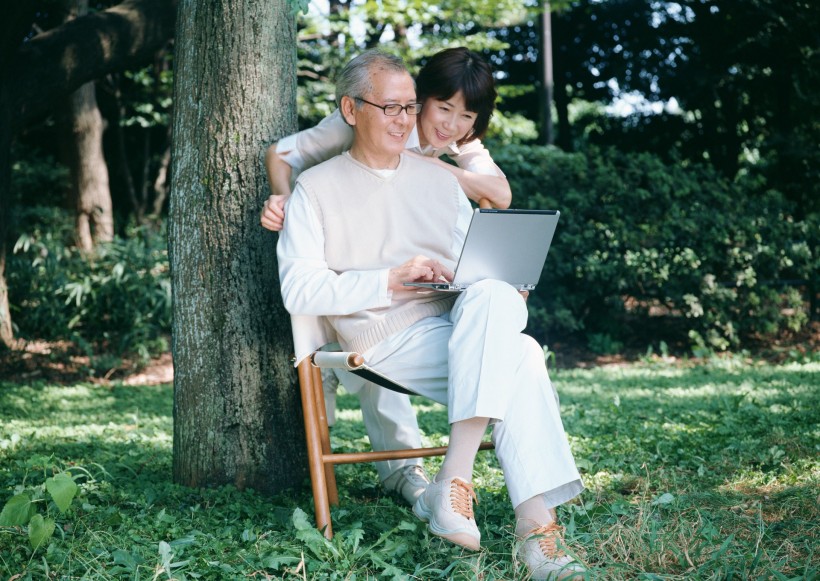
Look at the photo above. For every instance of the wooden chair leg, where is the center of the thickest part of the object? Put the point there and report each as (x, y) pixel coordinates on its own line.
(310, 406)
(324, 435)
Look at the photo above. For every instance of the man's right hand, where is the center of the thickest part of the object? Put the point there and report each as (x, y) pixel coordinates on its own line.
(273, 213)
(418, 269)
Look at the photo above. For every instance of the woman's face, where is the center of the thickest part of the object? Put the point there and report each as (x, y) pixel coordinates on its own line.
(443, 122)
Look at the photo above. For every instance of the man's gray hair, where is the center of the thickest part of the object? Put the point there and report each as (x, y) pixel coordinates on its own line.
(354, 80)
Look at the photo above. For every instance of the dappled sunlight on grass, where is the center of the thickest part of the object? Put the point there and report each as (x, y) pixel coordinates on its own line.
(691, 471)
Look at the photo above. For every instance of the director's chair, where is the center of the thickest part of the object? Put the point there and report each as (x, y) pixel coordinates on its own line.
(310, 334)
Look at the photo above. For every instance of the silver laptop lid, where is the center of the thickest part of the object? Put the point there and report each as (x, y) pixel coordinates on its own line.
(508, 245)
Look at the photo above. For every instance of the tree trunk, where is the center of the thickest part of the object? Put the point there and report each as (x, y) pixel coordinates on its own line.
(16, 22)
(545, 135)
(237, 416)
(161, 183)
(6, 332)
(562, 137)
(89, 172)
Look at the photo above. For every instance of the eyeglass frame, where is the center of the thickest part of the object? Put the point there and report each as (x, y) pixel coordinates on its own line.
(400, 108)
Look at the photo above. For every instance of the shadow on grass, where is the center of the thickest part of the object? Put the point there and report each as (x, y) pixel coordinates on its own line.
(704, 471)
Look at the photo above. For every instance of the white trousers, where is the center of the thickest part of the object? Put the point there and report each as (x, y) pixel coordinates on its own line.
(477, 362)
(391, 424)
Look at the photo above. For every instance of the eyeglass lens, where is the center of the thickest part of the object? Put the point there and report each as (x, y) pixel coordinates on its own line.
(394, 109)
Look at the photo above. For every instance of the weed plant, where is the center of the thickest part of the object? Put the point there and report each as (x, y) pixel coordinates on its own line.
(692, 472)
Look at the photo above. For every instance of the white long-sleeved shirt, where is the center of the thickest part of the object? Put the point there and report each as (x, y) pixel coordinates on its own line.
(311, 288)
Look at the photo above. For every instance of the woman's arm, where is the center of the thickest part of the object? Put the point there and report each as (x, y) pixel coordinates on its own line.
(279, 175)
(494, 188)
(279, 172)
(301, 151)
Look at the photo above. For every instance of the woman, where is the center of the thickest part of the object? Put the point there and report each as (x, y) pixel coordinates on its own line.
(457, 93)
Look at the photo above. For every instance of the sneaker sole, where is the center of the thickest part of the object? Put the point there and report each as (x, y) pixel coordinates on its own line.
(460, 538)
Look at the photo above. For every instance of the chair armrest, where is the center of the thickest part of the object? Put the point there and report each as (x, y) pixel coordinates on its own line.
(337, 359)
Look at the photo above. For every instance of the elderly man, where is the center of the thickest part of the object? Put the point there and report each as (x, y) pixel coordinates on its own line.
(371, 219)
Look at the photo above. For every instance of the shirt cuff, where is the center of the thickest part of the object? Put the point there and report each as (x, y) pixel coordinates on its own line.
(385, 294)
(286, 149)
(485, 168)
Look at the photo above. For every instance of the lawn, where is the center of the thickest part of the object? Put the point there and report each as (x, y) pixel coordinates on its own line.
(707, 471)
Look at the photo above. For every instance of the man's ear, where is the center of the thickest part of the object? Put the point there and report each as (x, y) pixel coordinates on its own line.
(347, 108)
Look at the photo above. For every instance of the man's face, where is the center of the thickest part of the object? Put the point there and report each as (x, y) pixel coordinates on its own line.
(379, 135)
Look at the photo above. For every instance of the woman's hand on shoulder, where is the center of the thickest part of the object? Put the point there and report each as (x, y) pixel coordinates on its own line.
(273, 213)
(496, 189)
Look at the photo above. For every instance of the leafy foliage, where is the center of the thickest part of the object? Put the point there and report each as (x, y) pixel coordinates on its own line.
(414, 30)
(732, 83)
(119, 297)
(638, 236)
(20, 509)
(707, 471)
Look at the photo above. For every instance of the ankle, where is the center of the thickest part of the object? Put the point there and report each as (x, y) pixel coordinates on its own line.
(454, 470)
(532, 514)
(523, 527)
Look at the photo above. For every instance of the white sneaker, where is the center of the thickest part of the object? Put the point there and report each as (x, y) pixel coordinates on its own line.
(409, 482)
(542, 551)
(447, 508)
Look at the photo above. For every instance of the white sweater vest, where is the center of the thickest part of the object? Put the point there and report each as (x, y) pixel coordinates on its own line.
(372, 222)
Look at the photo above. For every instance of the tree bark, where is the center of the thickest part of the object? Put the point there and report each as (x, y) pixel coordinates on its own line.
(89, 172)
(546, 134)
(161, 183)
(94, 221)
(6, 331)
(236, 412)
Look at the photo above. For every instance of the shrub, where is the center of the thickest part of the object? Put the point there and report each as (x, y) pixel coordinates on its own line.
(118, 298)
(637, 234)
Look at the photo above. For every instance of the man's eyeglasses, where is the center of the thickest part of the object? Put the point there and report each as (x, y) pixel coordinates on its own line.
(394, 109)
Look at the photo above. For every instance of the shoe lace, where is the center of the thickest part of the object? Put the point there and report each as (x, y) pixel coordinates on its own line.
(550, 536)
(461, 497)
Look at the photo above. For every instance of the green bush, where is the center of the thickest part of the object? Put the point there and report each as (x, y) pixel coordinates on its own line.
(638, 236)
(118, 298)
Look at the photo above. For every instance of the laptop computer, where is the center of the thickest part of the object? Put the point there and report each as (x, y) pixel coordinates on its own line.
(508, 245)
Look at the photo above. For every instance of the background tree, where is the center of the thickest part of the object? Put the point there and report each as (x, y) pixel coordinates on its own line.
(729, 82)
(92, 196)
(37, 73)
(236, 414)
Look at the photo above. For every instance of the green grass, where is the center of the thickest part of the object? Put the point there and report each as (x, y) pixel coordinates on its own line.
(692, 472)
